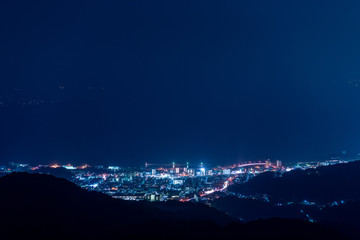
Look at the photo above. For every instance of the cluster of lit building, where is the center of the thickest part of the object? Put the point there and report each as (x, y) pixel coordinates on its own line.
(157, 182)
(161, 182)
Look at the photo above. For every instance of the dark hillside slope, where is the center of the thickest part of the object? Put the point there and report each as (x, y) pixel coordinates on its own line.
(44, 207)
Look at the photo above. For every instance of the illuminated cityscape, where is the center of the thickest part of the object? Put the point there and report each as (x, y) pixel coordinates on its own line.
(179, 120)
(173, 181)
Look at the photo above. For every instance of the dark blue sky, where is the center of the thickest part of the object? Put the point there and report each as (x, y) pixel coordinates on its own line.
(160, 81)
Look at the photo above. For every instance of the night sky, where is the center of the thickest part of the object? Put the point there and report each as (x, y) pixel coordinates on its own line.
(124, 82)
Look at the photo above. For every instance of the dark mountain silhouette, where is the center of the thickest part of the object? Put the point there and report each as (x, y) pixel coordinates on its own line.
(59, 172)
(322, 185)
(44, 207)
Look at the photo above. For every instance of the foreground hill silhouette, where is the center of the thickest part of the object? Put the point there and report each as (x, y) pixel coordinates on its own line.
(41, 206)
(59, 172)
(322, 185)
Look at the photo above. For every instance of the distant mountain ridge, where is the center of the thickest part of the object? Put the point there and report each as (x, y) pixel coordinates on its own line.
(322, 185)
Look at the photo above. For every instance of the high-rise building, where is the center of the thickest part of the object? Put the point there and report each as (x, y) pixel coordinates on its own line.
(267, 163)
(278, 164)
(226, 171)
